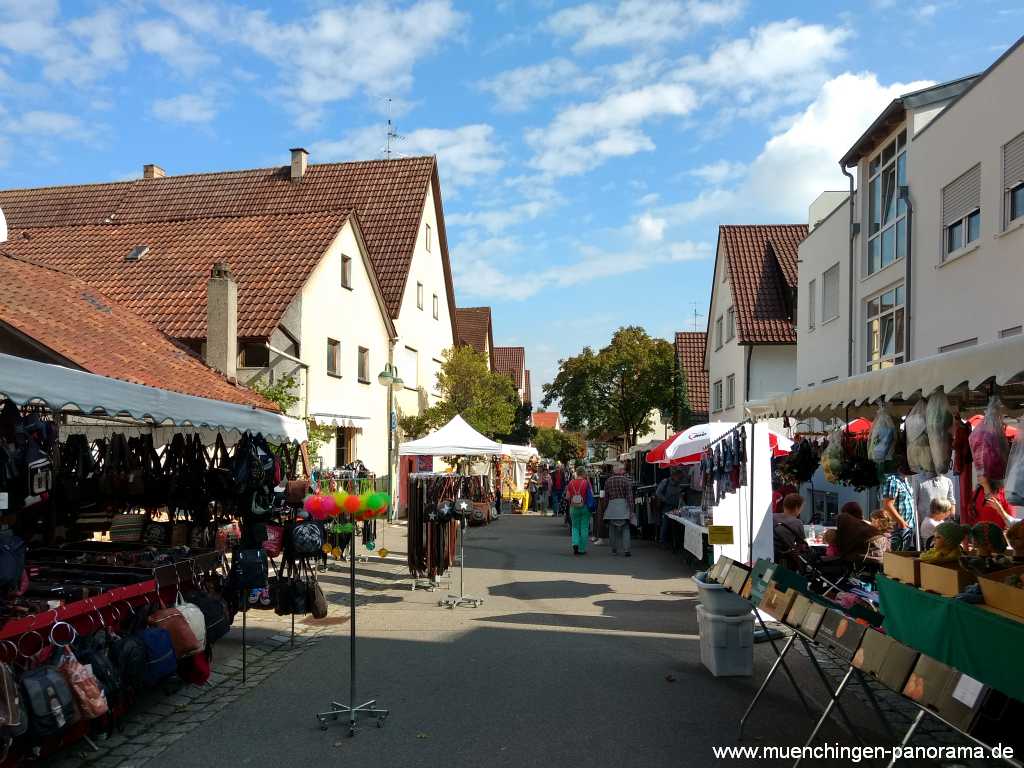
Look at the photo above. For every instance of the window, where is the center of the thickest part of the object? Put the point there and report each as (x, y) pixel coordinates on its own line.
(346, 271)
(1013, 179)
(427, 236)
(436, 312)
(343, 448)
(730, 390)
(830, 293)
(887, 213)
(254, 356)
(419, 295)
(718, 333)
(824, 507)
(364, 365)
(411, 369)
(333, 357)
(885, 333)
(812, 304)
(961, 210)
(435, 371)
(730, 325)
(716, 396)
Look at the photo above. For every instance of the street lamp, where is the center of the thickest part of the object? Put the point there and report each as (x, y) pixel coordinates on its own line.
(389, 378)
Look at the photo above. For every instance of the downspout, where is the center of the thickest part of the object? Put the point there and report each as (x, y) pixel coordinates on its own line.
(850, 278)
(746, 377)
(905, 197)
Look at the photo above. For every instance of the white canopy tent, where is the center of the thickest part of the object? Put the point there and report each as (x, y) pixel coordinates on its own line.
(65, 390)
(456, 438)
(519, 452)
(965, 369)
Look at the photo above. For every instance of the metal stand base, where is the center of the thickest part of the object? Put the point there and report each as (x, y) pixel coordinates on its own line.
(354, 713)
(454, 601)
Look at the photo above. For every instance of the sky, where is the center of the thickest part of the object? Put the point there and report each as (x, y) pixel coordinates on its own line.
(588, 151)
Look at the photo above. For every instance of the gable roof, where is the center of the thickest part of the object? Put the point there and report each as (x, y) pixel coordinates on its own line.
(97, 334)
(690, 352)
(511, 361)
(388, 196)
(270, 256)
(762, 266)
(546, 419)
(474, 329)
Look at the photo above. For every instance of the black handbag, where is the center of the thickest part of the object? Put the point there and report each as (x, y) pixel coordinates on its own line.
(219, 479)
(249, 569)
(307, 539)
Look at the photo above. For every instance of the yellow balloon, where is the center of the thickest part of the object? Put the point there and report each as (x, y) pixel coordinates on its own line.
(383, 552)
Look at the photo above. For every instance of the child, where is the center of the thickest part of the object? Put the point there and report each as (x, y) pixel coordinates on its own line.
(938, 511)
(829, 537)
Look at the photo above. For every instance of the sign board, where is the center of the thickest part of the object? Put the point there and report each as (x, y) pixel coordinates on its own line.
(720, 534)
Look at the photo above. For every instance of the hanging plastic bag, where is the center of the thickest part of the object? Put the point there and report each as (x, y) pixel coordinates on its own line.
(940, 420)
(882, 440)
(988, 442)
(919, 452)
(832, 458)
(1014, 486)
(83, 683)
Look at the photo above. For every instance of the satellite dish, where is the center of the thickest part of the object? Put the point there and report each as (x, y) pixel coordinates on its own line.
(3, 227)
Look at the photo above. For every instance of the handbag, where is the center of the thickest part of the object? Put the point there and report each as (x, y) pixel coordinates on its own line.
(249, 569)
(297, 486)
(92, 702)
(160, 660)
(12, 561)
(128, 527)
(51, 704)
(307, 538)
(274, 542)
(228, 536)
(219, 480)
(195, 670)
(215, 612)
(316, 599)
(195, 618)
(183, 639)
(13, 709)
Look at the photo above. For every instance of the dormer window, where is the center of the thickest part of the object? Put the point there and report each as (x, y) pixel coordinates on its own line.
(137, 253)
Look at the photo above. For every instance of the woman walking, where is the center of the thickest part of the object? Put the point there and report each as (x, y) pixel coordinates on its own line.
(581, 500)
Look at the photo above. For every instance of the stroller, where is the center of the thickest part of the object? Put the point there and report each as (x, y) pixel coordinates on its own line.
(825, 575)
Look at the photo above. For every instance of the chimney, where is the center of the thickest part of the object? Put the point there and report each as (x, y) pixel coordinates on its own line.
(152, 171)
(222, 321)
(300, 158)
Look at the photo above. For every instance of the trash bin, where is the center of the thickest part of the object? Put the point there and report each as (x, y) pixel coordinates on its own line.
(718, 600)
(726, 643)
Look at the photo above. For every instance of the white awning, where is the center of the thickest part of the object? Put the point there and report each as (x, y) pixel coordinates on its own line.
(970, 368)
(456, 438)
(339, 420)
(70, 391)
(519, 452)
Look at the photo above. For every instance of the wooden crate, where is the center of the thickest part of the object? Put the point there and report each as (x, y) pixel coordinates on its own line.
(947, 579)
(902, 566)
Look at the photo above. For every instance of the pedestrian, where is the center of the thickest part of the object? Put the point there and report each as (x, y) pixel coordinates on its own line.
(543, 489)
(581, 501)
(898, 505)
(617, 509)
(930, 486)
(669, 495)
(559, 479)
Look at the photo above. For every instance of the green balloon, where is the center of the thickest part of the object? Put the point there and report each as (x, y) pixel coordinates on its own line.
(346, 527)
(370, 545)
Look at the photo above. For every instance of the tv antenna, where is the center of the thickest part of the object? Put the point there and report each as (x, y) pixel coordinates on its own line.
(392, 134)
(696, 315)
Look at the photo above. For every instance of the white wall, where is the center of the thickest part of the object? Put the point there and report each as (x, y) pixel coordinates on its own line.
(417, 329)
(979, 294)
(730, 359)
(354, 318)
(772, 371)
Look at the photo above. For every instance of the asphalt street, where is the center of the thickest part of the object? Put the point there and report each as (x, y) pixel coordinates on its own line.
(588, 660)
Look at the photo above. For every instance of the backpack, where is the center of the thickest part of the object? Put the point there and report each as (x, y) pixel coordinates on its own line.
(96, 651)
(215, 613)
(128, 655)
(13, 709)
(51, 704)
(307, 539)
(160, 660)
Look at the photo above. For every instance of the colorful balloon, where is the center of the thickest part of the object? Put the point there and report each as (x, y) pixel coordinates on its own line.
(310, 503)
(347, 527)
(328, 506)
(339, 499)
(352, 504)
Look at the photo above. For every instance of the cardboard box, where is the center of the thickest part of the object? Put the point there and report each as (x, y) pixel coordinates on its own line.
(840, 633)
(928, 681)
(947, 579)
(960, 700)
(760, 578)
(813, 618)
(736, 578)
(1002, 596)
(720, 569)
(798, 610)
(871, 654)
(898, 664)
(902, 566)
(777, 602)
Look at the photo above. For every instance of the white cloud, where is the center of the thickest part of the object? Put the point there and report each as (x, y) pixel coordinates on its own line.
(186, 108)
(516, 89)
(719, 172)
(638, 22)
(498, 219)
(177, 48)
(583, 136)
(39, 123)
(465, 154)
(650, 228)
(649, 199)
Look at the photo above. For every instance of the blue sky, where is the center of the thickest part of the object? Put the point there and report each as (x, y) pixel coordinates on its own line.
(588, 150)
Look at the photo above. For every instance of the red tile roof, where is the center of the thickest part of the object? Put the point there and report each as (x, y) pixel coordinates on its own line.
(690, 351)
(511, 361)
(99, 335)
(546, 419)
(270, 257)
(762, 264)
(473, 325)
(388, 196)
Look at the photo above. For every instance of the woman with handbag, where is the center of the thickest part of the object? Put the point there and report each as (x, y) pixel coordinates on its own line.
(581, 502)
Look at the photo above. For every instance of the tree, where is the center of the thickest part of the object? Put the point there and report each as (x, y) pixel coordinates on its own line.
(681, 413)
(615, 389)
(522, 431)
(486, 400)
(558, 445)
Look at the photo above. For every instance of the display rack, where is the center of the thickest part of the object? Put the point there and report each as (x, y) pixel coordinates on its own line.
(455, 601)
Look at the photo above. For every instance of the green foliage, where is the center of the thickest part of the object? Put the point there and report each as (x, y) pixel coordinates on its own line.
(522, 431)
(615, 389)
(316, 437)
(486, 400)
(561, 446)
(282, 392)
(681, 413)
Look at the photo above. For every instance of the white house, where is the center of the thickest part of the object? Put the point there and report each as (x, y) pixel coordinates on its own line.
(750, 351)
